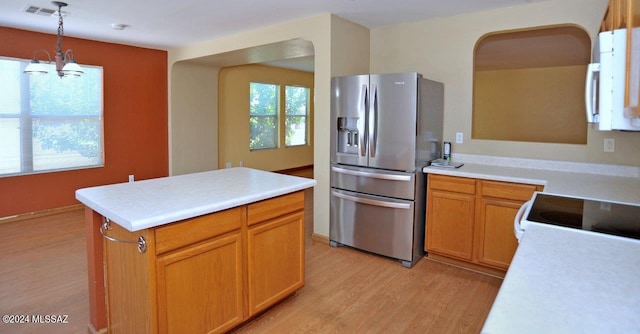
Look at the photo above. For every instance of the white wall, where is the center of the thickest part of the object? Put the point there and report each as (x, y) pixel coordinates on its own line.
(442, 49)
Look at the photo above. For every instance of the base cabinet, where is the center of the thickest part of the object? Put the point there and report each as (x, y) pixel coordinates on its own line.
(207, 274)
(450, 228)
(496, 241)
(200, 287)
(276, 260)
(471, 220)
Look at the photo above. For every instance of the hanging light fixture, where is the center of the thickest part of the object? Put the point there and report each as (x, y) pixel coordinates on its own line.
(66, 65)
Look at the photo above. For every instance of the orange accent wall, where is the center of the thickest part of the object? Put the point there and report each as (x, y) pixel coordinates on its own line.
(135, 121)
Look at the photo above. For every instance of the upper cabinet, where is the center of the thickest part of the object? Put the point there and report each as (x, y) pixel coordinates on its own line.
(616, 15)
(625, 14)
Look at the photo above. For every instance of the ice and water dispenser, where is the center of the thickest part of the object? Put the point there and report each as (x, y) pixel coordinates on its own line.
(348, 135)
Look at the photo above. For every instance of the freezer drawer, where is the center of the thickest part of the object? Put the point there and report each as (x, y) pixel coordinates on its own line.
(374, 181)
(372, 223)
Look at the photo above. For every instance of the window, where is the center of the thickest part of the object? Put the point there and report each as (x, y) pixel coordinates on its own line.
(263, 115)
(49, 123)
(264, 112)
(296, 111)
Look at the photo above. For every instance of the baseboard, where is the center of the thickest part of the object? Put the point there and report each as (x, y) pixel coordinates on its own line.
(320, 238)
(92, 330)
(43, 213)
(465, 265)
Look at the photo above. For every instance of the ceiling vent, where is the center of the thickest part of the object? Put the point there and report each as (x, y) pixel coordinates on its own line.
(39, 10)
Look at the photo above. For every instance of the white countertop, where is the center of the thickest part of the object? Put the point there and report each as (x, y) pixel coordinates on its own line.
(564, 280)
(569, 281)
(149, 203)
(596, 181)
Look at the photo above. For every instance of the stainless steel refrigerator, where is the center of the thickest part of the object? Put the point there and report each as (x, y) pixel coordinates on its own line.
(384, 129)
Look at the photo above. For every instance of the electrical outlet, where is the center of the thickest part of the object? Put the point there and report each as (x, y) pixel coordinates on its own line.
(131, 178)
(241, 164)
(609, 145)
(459, 137)
(228, 165)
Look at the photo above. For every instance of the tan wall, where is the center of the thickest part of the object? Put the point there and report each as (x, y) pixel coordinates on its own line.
(233, 119)
(349, 48)
(534, 104)
(442, 49)
(194, 135)
(332, 38)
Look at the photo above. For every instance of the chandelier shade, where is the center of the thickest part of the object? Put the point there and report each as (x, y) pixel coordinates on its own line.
(65, 62)
(36, 67)
(72, 69)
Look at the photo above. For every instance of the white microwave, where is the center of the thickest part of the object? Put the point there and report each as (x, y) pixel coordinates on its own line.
(605, 84)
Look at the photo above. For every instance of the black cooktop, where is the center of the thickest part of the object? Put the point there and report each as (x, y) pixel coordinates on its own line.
(586, 214)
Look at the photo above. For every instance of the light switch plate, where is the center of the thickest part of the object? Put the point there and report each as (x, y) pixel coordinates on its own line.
(459, 137)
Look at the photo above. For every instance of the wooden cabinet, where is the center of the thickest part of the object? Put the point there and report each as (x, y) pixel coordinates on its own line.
(498, 204)
(275, 243)
(206, 274)
(623, 14)
(199, 274)
(130, 283)
(616, 15)
(632, 96)
(472, 220)
(450, 216)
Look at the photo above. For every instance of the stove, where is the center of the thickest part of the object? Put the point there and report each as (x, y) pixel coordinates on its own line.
(597, 216)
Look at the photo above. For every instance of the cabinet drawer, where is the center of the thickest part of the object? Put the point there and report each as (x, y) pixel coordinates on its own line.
(274, 207)
(504, 190)
(186, 232)
(452, 183)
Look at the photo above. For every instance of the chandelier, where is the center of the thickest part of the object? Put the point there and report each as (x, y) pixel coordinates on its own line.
(66, 65)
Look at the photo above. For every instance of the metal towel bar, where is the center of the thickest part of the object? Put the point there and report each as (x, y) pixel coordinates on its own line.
(142, 244)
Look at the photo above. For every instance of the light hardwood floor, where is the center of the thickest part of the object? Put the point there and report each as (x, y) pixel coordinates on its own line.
(348, 291)
(43, 271)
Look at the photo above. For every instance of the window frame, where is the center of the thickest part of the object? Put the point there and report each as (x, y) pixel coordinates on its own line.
(275, 116)
(282, 116)
(26, 118)
(305, 116)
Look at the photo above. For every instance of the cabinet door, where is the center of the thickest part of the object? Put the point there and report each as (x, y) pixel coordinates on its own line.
(496, 241)
(449, 229)
(275, 260)
(615, 16)
(632, 93)
(200, 287)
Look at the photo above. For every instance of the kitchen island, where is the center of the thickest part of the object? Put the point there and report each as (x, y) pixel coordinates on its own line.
(198, 252)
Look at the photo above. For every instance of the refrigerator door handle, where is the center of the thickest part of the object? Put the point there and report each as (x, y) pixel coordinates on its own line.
(365, 107)
(372, 175)
(373, 122)
(373, 202)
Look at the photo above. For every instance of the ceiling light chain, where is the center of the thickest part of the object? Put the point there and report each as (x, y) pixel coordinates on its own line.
(60, 27)
(66, 64)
